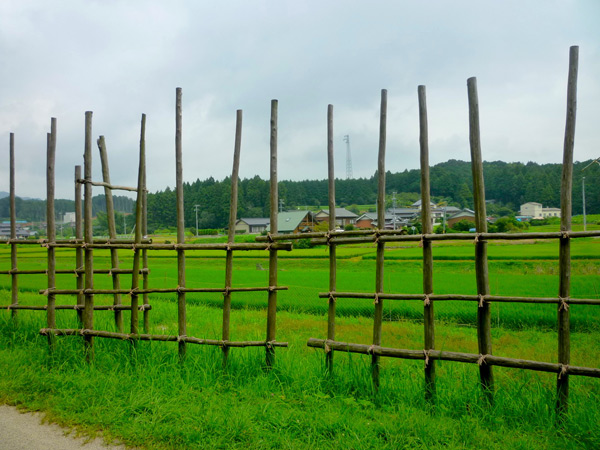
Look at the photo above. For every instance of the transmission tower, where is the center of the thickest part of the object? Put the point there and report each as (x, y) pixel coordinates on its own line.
(348, 158)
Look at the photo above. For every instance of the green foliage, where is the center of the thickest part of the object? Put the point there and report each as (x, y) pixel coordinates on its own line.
(463, 225)
(507, 225)
(349, 227)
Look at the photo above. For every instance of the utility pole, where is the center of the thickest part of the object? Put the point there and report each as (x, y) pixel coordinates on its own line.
(394, 209)
(583, 201)
(583, 191)
(196, 208)
(348, 158)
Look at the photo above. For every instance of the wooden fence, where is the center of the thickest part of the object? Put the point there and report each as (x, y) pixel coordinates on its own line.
(84, 244)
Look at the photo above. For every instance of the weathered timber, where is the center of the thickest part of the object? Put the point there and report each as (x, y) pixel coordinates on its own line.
(332, 247)
(112, 229)
(88, 312)
(50, 222)
(231, 233)
(274, 205)
(473, 298)
(379, 263)
(181, 301)
(159, 337)
(14, 279)
(135, 282)
(490, 360)
(428, 312)
(79, 258)
(564, 258)
(484, 326)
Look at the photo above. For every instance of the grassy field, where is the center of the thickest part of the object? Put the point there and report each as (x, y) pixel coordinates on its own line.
(147, 398)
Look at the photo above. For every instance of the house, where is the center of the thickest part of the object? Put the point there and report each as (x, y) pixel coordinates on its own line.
(369, 221)
(252, 225)
(550, 212)
(21, 231)
(343, 217)
(537, 211)
(294, 222)
(465, 214)
(417, 204)
(531, 209)
(404, 214)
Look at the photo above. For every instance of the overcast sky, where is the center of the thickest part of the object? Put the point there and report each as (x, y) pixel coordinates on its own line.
(120, 59)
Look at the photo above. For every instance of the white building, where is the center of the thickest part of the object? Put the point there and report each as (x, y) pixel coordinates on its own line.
(537, 211)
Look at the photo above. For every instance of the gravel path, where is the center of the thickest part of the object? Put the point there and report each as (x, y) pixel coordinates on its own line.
(24, 431)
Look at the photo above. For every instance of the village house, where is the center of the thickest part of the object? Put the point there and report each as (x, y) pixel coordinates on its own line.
(252, 225)
(289, 222)
(343, 217)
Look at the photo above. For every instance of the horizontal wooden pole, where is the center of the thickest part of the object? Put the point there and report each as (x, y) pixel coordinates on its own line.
(221, 246)
(73, 271)
(75, 307)
(394, 236)
(453, 356)
(159, 337)
(158, 290)
(107, 185)
(75, 241)
(474, 298)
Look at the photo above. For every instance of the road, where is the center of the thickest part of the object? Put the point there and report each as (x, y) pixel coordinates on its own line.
(25, 431)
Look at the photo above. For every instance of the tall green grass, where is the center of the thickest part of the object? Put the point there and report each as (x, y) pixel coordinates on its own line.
(146, 398)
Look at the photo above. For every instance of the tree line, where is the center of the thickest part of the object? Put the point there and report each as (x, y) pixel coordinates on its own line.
(508, 184)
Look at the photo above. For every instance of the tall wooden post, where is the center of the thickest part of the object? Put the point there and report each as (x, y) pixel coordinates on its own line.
(14, 278)
(564, 258)
(79, 261)
(428, 315)
(145, 284)
(231, 233)
(274, 197)
(332, 247)
(88, 312)
(378, 315)
(484, 326)
(135, 275)
(181, 304)
(51, 228)
(112, 231)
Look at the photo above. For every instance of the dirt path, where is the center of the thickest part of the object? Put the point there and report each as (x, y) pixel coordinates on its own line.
(24, 431)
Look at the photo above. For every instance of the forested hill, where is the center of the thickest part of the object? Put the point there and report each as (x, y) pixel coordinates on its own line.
(509, 184)
(34, 210)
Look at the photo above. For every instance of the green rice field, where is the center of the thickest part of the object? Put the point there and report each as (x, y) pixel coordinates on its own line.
(148, 399)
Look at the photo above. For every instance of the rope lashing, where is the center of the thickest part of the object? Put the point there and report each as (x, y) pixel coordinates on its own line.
(421, 242)
(426, 300)
(326, 347)
(179, 289)
(270, 237)
(476, 240)
(426, 353)
(272, 288)
(331, 297)
(181, 338)
(135, 291)
(376, 299)
(481, 360)
(564, 234)
(564, 369)
(481, 300)
(563, 304)
(269, 344)
(370, 350)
